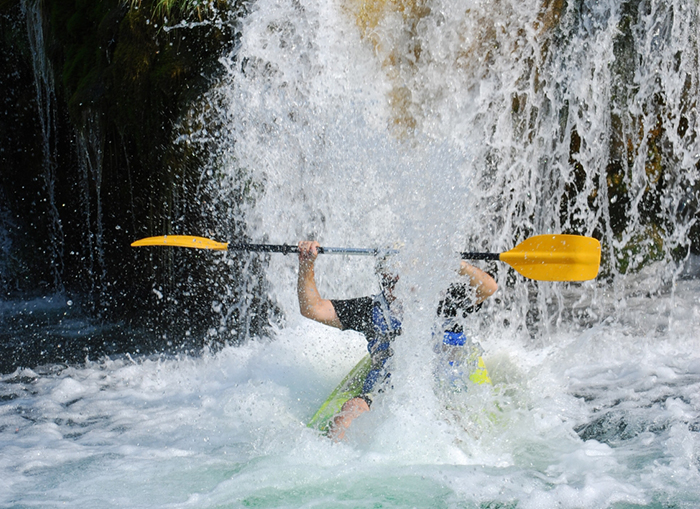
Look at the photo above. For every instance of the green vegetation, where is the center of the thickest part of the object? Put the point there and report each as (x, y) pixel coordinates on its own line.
(180, 8)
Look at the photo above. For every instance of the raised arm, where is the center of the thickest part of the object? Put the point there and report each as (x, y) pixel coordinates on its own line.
(311, 305)
(482, 282)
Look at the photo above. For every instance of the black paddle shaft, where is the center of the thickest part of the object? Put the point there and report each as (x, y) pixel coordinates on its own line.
(480, 256)
(287, 249)
(265, 248)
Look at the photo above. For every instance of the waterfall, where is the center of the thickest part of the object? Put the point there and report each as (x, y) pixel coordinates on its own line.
(442, 126)
(88, 151)
(46, 104)
(90, 144)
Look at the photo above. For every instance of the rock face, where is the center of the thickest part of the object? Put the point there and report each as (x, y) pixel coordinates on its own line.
(93, 98)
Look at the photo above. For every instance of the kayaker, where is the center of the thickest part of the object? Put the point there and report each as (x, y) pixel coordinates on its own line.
(379, 319)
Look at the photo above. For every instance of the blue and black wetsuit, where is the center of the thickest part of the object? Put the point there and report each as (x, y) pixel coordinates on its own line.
(380, 323)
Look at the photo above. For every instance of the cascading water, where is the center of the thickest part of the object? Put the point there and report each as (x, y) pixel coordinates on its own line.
(523, 118)
(46, 103)
(90, 154)
(433, 127)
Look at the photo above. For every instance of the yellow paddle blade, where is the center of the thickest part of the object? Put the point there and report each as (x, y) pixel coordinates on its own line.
(182, 241)
(555, 258)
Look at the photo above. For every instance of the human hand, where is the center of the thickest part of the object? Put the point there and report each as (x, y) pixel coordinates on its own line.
(308, 251)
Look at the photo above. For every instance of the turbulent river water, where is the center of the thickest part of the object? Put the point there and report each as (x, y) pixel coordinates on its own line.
(603, 417)
(434, 128)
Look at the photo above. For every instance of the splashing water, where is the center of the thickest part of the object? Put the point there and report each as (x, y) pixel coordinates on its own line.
(435, 127)
(604, 418)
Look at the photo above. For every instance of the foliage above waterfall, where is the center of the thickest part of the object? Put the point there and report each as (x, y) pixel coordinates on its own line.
(181, 9)
(136, 63)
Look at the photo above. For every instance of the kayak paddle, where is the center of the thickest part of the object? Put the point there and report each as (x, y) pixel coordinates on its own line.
(542, 257)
